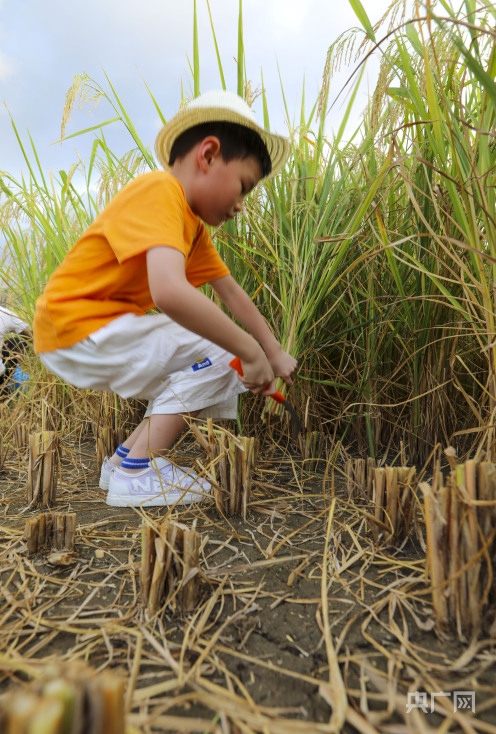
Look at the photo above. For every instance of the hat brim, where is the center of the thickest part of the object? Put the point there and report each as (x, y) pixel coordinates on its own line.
(277, 146)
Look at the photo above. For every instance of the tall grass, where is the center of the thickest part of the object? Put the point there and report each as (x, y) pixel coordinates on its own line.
(377, 258)
(435, 103)
(372, 255)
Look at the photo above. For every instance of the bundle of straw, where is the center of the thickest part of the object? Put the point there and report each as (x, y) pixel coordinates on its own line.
(169, 565)
(231, 463)
(391, 491)
(43, 469)
(69, 699)
(50, 530)
(460, 521)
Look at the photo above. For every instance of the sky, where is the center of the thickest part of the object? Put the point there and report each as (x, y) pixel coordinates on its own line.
(45, 43)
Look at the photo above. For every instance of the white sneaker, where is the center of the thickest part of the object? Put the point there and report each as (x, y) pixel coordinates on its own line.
(106, 471)
(160, 484)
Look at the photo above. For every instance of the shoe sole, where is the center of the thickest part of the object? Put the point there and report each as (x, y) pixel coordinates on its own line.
(115, 500)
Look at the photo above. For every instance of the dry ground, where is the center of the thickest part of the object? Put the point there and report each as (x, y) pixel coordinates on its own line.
(271, 646)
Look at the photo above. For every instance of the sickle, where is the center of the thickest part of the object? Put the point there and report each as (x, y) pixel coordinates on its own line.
(278, 397)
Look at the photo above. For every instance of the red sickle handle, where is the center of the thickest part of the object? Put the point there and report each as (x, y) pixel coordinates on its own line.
(236, 365)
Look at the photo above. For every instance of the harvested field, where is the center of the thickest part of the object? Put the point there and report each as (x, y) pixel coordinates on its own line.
(272, 645)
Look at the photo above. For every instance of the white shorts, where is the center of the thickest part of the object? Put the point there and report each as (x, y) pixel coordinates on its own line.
(153, 358)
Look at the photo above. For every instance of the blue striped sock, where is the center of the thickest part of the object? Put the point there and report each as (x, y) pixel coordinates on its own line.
(122, 451)
(128, 463)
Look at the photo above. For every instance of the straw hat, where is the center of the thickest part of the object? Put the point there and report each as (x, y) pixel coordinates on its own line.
(219, 106)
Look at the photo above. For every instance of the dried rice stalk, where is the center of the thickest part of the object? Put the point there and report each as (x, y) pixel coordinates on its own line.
(470, 539)
(148, 554)
(392, 495)
(460, 533)
(18, 712)
(105, 444)
(4, 451)
(43, 469)
(232, 459)
(435, 557)
(109, 425)
(47, 718)
(50, 530)
(391, 491)
(380, 486)
(356, 478)
(169, 566)
(68, 699)
(108, 438)
(20, 434)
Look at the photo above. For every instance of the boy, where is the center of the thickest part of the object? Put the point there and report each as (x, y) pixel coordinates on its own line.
(150, 248)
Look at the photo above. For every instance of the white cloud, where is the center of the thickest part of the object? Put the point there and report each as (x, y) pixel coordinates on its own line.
(43, 49)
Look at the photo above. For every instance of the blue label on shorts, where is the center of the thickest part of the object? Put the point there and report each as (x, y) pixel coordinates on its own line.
(201, 365)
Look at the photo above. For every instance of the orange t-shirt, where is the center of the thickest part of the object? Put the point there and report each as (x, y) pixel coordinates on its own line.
(104, 275)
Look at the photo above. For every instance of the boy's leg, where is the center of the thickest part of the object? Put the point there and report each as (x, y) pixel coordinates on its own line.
(151, 357)
(158, 434)
(153, 437)
(145, 476)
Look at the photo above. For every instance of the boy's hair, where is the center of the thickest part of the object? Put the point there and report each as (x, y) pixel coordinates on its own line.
(236, 141)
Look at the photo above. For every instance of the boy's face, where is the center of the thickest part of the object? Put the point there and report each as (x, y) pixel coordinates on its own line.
(224, 187)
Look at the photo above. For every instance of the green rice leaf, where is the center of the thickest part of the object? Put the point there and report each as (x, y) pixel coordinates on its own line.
(362, 16)
(196, 54)
(264, 105)
(87, 130)
(155, 104)
(241, 52)
(219, 63)
(414, 39)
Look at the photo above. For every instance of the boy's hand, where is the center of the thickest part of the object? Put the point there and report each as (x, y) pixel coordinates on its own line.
(242, 308)
(257, 374)
(283, 365)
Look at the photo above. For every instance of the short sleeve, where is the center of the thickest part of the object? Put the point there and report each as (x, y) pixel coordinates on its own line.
(204, 263)
(147, 213)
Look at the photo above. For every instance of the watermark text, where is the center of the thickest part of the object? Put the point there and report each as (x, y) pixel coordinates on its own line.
(426, 702)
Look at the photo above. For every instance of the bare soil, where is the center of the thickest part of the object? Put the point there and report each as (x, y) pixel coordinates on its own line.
(270, 646)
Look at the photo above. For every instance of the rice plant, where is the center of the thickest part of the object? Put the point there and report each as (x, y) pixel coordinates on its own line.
(435, 105)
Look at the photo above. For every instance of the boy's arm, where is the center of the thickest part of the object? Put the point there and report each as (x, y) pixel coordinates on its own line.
(189, 307)
(242, 308)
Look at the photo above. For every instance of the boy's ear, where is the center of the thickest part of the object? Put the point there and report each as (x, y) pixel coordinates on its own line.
(208, 151)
